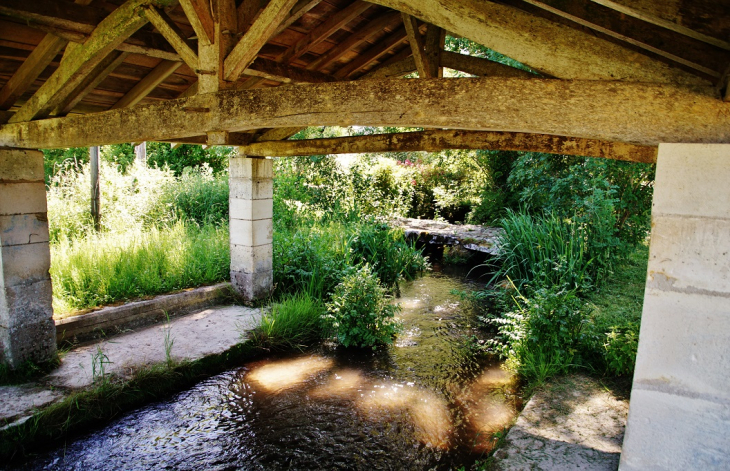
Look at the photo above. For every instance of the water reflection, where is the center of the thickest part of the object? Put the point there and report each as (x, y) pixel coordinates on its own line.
(424, 403)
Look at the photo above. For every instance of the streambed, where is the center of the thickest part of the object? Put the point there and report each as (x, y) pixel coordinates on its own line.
(424, 403)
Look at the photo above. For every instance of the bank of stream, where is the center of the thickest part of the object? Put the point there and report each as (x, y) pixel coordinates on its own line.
(426, 402)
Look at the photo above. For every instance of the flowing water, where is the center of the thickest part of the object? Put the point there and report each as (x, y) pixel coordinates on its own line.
(424, 403)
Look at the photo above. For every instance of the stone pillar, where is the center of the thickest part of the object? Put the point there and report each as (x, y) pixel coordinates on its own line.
(679, 416)
(27, 330)
(251, 211)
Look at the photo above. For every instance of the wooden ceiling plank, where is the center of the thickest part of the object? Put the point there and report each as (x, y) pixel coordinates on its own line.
(300, 9)
(173, 34)
(416, 42)
(49, 47)
(111, 32)
(371, 29)
(558, 50)
(371, 55)
(262, 29)
(324, 31)
(201, 19)
(656, 18)
(145, 86)
(438, 140)
(101, 72)
(637, 113)
(621, 37)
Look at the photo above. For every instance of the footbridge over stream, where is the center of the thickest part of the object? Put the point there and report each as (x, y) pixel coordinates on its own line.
(643, 81)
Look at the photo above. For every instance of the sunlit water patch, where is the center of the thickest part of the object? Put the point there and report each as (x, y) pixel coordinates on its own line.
(424, 403)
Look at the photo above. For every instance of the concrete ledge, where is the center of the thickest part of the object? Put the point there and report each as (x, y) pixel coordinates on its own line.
(116, 319)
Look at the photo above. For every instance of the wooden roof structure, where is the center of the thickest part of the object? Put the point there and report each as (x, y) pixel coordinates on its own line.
(617, 77)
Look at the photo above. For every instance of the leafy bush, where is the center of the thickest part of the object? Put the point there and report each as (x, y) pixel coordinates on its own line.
(541, 337)
(387, 252)
(197, 196)
(360, 314)
(294, 322)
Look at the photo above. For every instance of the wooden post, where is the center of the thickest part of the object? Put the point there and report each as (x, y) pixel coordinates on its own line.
(140, 153)
(95, 200)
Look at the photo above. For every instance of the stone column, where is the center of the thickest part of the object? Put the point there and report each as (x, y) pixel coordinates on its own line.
(679, 416)
(251, 211)
(27, 330)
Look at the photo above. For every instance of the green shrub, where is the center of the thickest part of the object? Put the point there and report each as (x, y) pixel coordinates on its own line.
(541, 337)
(620, 347)
(360, 314)
(294, 322)
(197, 196)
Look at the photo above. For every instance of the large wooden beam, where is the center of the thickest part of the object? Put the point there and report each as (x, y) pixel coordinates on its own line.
(638, 113)
(423, 66)
(480, 67)
(546, 46)
(201, 19)
(145, 86)
(111, 32)
(254, 39)
(438, 140)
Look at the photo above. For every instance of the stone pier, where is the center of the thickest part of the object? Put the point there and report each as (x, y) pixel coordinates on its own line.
(251, 211)
(27, 331)
(679, 416)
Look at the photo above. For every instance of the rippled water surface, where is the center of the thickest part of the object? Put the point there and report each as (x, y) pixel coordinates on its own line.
(424, 403)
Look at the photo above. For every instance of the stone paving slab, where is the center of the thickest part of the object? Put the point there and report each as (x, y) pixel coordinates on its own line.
(574, 423)
(207, 332)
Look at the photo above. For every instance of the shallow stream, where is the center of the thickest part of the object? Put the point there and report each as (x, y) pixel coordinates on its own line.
(424, 403)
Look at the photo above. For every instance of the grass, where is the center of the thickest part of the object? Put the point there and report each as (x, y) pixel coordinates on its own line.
(293, 323)
(111, 267)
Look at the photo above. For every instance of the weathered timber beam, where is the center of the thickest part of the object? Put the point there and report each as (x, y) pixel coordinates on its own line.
(546, 46)
(258, 34)
(638, 113)
(200, 18)
(278, 72)
(481, 67)
(592, 23)
(324, 31)
(77, 65)
(372, 28)
(145, 86)
(704, 20)
(172, 33)
(396, 69)
(433, 44)
(423, 66)
(438, 140)
(92, 80)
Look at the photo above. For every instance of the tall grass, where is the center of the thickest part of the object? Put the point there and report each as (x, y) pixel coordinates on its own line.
(110, 267)
(294, 322)
(546, 251)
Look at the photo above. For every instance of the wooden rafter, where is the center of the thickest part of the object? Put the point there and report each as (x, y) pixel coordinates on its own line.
(589, 21)
(111, 32)
(30, 69)
(145, 86)
(257, 35)
(363, 34)
(433, 44)
(555, 49)
(395, 69)
(415, 39)
(201, 19)
(638, 113)
(92, 80)
(438, 140)
(324, 31)
(277, 72)
(480, 67)
(297, 11)
(374, 53)
(708, 13)
(174, 36)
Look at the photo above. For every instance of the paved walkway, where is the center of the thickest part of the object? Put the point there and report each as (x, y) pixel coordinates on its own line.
(208, 332)
(574, 423)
